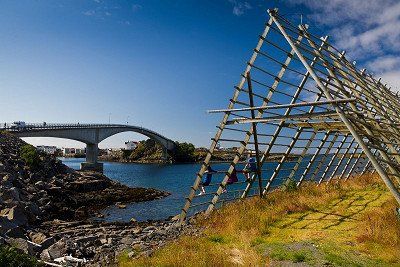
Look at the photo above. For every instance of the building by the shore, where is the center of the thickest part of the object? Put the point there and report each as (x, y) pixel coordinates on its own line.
(73, 151)
(48, 149)
(130, 145)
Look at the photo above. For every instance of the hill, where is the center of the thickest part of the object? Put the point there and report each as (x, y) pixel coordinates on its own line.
(149, 151)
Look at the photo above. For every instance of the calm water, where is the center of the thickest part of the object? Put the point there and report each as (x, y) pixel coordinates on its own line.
(175, 179)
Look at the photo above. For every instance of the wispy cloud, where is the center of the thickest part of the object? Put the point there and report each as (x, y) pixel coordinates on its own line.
(239, 7)
(124, 22)
(136, 7)
(384, 63)
(89, 13)
(368, 30)
(103, 10)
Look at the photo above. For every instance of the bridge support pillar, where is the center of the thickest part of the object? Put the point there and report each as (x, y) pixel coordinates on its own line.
(91, 164)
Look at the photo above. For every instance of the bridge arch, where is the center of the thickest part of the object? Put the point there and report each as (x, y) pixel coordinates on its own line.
(168, 144)
(91, 135)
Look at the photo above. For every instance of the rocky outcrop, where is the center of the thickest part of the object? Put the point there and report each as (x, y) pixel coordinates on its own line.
(35, 188)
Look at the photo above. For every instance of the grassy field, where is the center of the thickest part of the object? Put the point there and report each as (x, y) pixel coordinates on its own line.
(346, 224)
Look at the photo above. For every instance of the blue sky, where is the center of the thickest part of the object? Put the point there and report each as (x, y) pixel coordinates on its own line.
(161, 64)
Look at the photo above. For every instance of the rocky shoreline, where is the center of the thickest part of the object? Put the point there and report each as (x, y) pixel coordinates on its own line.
(100, 244)
(45, 209)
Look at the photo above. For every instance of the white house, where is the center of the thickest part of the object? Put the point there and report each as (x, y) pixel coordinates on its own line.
(131, 145)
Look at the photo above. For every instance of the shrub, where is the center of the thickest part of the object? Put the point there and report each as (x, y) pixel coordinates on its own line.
(11, 257)
(30, 155)
(184, 152)
(289, 185)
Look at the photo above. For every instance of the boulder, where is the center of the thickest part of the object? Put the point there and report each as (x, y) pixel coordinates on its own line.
(6, 224)
(40, 184)
(86, 239)
(55, 251)
(37, 237)
(42, 239)
(6, 180)
(81, 212)
(11, 194)
(127, 240)
(33, 208)
(48, 242)
(16, 215)
(16, 232)
(149, 228)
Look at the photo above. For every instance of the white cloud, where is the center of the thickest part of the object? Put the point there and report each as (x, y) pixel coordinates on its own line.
(384, 63)
(368, 30)
(393, 79)
(239, 7)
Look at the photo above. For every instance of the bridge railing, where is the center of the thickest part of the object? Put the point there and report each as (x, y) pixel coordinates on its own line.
(11, 127)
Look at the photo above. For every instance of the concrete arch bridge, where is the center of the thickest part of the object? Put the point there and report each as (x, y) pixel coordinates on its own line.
(90, 134)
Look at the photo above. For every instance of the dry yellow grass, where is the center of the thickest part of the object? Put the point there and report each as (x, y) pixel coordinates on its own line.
(353, 223)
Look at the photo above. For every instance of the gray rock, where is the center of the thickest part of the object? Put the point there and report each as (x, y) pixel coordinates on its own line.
(6, 224)
(16, 232)
(33, 208)
(40, 184)
(56, 250)
(45, 255)
(11, 194)
(16, 215)
(127, 240)
(37, 237)
(149, 228)
(6, 180)
(48, 242)
(25, 245)
(161, 232)
(86, 239)
(136, 231)
(132, 254)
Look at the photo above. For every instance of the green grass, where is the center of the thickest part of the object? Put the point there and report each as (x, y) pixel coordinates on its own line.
(218, 239)
(11, 257)
(281, 253)
(352, 224)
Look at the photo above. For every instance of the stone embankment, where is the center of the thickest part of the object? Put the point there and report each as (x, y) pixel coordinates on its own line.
(45, 206)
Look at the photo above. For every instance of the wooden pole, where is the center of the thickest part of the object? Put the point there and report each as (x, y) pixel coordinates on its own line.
(254, 124)
(342, 115)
